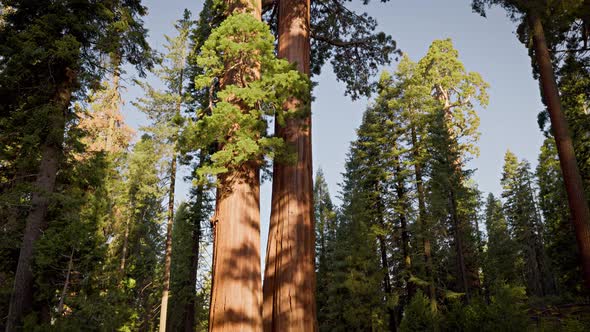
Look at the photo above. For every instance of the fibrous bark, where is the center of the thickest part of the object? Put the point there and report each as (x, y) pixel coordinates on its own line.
(289, 279)
(236, 294)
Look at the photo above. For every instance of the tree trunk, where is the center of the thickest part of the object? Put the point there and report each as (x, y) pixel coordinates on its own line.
(124, 250)
(64, 292)
(402, 201)
(21, 298)
(236, 288)
(189, 313)
(168, 250)
(422, 221)
(459, 249)
(289, 279)
(171, 189)
(387, 283)
(565, 149)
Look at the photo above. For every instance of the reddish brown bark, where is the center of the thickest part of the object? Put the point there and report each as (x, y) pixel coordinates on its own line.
(21, 299)
(236, 294)
(565, 149)
(289, 279)
(236, 289)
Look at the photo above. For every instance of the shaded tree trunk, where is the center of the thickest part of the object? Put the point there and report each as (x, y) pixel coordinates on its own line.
(387, 283)
(168, 250)
(190, 310)
(21, 299)
(289, 279)
(569, 167)
(405, 237)
(422, 221)
(459, 246)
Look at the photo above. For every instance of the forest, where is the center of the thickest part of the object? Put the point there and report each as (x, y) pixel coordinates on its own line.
(111, 225)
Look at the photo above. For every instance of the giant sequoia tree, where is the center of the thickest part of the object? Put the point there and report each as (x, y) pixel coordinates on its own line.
(252, 84)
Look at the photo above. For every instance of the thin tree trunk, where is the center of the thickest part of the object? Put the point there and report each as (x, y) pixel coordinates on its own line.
(387, 283)
(21, 299)
(423, 223)
(459, 249)
(113, 111)
(236, 294)
(402, 199)
(565, 149)
(168, 250)
(189, 313)
(171, 189)
(64, 292)
(289, 279)
(124, 250)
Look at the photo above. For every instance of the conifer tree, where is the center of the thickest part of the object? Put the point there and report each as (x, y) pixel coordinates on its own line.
(525, 224)
(501, 254)
(325, 216)
(453, 133)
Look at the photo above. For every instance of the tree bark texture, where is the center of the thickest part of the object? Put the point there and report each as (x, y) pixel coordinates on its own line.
(236, 290)
(565, 149)
(289, 279)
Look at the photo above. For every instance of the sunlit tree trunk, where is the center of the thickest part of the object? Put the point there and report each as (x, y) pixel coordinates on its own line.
(51, 151)
(168, 249)
(289, 279)
(236, 295)
(565, 149)
(64, 292)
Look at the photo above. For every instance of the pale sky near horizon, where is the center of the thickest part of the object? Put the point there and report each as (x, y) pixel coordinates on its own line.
(486, 45)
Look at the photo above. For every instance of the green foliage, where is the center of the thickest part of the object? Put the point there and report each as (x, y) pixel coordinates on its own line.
(500, 263)
(348, 40)
(254, 86)
(418, 315)
(523, 217)
(505, 312)
(559, 232)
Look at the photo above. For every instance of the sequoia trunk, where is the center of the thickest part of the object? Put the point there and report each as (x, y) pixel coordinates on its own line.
(289, 279)
(565, 149)
(236, 289)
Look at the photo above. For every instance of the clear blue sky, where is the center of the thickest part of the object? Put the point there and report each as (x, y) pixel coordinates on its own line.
(488, 46)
